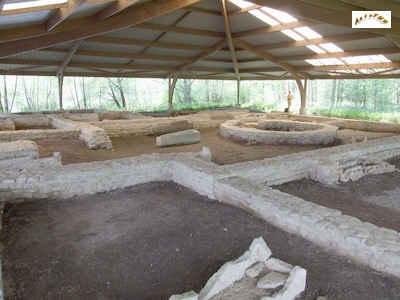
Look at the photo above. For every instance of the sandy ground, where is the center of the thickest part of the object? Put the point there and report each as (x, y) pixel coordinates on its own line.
(150, 241)
(224, 151)
(374, 198)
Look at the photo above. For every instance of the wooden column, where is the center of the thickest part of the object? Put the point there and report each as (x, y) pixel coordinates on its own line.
(171, 88)
(303, 95)
(60, 77)
(238, 93)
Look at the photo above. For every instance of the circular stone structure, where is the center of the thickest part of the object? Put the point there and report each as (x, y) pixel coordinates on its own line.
(279, 132)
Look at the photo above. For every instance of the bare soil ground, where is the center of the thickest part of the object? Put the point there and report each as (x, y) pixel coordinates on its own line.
(224, 151)
(374, 199)
(150, 241)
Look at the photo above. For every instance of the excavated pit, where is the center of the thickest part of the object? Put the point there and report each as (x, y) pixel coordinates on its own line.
(151, 241)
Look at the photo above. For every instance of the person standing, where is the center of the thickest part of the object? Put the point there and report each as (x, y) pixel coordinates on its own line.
(289, 101)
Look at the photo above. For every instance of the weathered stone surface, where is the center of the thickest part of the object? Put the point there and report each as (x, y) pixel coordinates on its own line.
(19, 149)
(6, 124)
(185, 296)
(271, 280)
(190, 136)
(294, 286)
(275, 264)
(82, 117)
(36, 134)
(302, 133)
(119, 115)
(233, 271)
(31, 121)
(94, 137)
(255, 270)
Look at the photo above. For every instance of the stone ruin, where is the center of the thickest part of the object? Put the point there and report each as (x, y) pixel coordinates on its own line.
(278, 132)
(254, 275)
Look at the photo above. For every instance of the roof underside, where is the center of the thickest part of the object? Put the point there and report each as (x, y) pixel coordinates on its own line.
(208, 39)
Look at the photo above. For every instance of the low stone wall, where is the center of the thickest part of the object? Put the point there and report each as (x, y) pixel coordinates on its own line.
(340, 122)
(363, 242)
(36, 134)
(34, 121)
(309, 135)
(94, 137)
(6, 124)
(286, 168)
(145, 126)
(18, 149)
(81, 117)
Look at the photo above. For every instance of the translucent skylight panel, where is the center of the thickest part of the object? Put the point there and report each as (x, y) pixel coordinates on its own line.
(281, 16)
(316, 49)
(365, 59)
(292, 34)
(308, 33)
(31, 4)
(263, 17)
(242, 3)
(324, 62)
(331, 47)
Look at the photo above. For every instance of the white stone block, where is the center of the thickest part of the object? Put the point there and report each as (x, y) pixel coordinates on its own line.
(235, 270)
(190, 136)
(294, 286)
(278, 265)
(255, 270)
(272, 280)
(185, 296)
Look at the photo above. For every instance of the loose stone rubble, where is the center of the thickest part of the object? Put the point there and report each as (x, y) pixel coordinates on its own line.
(185, 137)
(279, 132)
(230, 275)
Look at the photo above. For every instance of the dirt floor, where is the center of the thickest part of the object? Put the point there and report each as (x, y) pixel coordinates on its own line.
(374, 198)
(150, 241)
(224, 151)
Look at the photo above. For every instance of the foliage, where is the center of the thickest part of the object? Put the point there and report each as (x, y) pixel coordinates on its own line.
(372, 99)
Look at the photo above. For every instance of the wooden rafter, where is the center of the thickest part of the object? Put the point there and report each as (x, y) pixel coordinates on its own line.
(217, 46)
(89, 27)
(115, 8)
(267, 56)
(373, 51)
(229, 38)
(68, 58)
(135, 66)
(179, 29)
(61, 14)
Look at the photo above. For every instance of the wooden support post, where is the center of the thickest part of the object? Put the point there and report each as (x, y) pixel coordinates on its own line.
(238, 93)
(171, 88)
(303, 95)
(60, 77)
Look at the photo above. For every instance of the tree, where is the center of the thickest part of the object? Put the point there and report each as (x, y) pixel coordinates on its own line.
(117, 93)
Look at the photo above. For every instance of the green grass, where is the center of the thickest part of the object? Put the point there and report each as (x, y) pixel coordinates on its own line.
(349, 113)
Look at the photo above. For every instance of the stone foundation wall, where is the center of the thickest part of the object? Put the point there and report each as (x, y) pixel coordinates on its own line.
(36, 134)
(341, 123)
(346, 235)
(18, 149)
(35, 121)
(94, 137)
(323, 135)
(6, 124)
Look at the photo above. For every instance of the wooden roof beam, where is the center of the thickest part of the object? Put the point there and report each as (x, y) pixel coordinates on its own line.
(62, 13)
(115, 8)
(178, 29)
(373, 51)
(89, 26)
(229, 38)
(137, 66)
(217, 46)
(68, 58)
(267, 56)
